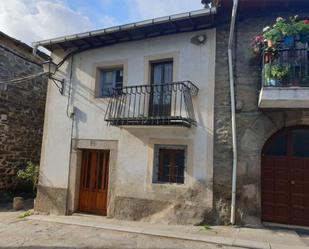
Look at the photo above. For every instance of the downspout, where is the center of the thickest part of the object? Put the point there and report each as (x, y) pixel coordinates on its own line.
(70, 115)
(233, 119)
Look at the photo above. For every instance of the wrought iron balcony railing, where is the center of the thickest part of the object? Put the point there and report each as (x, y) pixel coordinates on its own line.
(287, 66)
(164, 104)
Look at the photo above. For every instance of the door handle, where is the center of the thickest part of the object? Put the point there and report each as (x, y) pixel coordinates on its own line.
(292, 182)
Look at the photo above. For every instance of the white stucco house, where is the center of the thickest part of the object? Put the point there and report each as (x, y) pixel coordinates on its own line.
(131, 135)
(172, 119)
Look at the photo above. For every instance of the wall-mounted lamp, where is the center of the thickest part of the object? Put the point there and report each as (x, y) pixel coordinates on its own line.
(199, 39)
(50, 68)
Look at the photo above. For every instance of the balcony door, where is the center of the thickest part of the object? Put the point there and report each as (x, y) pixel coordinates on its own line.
(161, 90)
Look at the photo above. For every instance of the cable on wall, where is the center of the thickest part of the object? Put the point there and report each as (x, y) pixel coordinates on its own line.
(22, 79)
(70, 86)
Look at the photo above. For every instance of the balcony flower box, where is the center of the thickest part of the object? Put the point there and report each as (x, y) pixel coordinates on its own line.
(285, 31)
(289, 41)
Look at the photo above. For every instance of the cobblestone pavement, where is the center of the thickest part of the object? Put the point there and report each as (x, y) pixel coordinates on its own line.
(22, 233)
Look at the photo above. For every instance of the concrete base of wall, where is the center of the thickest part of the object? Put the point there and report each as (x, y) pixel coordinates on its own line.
(156, 211)
(51, 200)
(137, 209)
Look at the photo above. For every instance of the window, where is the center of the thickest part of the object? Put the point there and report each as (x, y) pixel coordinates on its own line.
(169, 163)
(109, 79)
(160, 100)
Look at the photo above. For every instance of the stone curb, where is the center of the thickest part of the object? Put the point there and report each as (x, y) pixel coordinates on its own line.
(220, 241)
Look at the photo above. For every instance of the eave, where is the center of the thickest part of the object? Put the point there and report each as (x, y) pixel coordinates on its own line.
(179, 23)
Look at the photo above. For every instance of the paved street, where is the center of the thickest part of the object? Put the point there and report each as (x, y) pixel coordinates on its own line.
(58, 232)
(22, 233)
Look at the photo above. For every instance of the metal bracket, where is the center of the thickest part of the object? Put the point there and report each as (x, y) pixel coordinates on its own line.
(61, 82)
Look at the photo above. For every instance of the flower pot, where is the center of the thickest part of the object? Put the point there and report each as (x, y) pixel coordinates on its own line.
(270, 43)
(272, 82)
(289, 41)
(269, 58)
(304, 38)
(18, 203)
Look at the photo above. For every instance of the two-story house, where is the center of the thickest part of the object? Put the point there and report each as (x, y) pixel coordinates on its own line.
(132, 135)
(145, 128)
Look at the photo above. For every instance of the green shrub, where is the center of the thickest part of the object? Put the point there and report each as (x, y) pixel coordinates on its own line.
(25, 214)
(30, 174)
(280, 72)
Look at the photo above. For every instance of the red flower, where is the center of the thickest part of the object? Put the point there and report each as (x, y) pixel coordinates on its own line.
(306, 21)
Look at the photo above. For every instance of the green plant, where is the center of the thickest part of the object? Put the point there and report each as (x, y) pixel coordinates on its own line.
(30, 174)
(280, 72)
(25, 214)
(267, 71)
(273, 34)
(207, 227)
(302, 27)
(287, 27)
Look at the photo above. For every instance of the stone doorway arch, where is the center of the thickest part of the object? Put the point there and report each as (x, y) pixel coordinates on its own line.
(285, 177)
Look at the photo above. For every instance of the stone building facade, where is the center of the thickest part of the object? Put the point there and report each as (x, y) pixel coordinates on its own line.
(21, 108)
(254, 125)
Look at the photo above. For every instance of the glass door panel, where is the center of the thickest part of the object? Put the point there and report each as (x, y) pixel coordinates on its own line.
(161, 91)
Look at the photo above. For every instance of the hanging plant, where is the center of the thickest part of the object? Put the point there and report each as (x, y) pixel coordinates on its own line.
(258, 44)
(303, 29)
(272, 35)
(287, 31)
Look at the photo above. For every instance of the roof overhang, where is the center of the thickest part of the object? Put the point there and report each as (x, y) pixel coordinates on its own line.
(185, 22)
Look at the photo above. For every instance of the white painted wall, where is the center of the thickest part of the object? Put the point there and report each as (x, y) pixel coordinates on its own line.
(196, 63)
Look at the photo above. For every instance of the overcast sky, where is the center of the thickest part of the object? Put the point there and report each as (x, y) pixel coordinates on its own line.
(33, 20)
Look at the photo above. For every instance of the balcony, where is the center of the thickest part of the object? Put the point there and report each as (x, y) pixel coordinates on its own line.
(285, 77)
(151, 105)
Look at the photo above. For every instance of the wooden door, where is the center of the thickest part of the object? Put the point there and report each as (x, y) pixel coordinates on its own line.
(275, 190)
(285, 177)
(94, 181)
(299, 174)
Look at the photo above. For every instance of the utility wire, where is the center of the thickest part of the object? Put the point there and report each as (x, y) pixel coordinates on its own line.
(22, 79)
(70, 86)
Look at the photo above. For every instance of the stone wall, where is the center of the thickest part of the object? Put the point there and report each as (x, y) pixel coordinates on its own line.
(254, 126)
(21, 114)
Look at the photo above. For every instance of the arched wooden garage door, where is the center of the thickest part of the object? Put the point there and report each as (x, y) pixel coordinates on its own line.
(285, 177)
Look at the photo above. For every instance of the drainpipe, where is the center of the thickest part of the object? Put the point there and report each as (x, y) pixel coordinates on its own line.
(35, 50)
(232, 93)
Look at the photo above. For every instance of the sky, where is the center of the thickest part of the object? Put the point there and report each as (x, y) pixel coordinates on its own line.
(34, 20)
